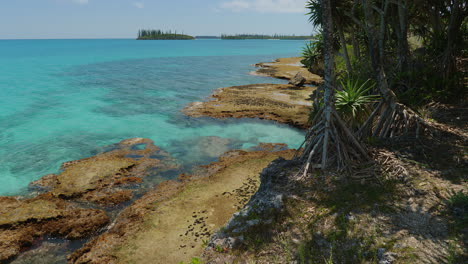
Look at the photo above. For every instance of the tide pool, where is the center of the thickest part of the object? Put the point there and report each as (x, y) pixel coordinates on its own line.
(63, 100)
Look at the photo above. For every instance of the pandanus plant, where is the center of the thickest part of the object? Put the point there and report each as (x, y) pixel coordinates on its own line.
(353, 101)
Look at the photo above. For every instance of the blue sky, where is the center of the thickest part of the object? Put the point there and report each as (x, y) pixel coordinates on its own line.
(122, 18)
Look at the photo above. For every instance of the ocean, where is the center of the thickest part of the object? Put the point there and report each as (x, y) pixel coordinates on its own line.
(63, 100)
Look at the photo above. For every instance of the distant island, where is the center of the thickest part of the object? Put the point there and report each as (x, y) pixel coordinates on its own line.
(258, 36)
(207, 37)
(152, 34)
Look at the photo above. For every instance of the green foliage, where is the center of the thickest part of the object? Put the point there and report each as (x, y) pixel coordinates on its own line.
(425, 84)
(460, 199)
(354, 102)
(330, 258)
(303, 253)
(192, 261)
(315, 12)
(458, 204)
(219, 249)
(259, 36)
(153, 34)
(205, 243)
(312, 54)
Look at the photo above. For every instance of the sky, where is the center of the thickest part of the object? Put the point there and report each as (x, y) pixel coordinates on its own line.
(46, 19)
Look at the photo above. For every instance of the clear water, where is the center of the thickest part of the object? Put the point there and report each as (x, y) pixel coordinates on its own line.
(64, 99)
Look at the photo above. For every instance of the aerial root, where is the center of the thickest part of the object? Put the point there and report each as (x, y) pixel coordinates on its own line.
(330, 143)
(395, 120)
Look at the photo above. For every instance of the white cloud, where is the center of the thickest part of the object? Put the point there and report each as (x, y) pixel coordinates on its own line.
(266, 6)
(139, 4)
(81, 2)
(236, 5)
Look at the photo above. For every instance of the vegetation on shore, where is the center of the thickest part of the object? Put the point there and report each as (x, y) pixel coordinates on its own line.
(207, 37)
(259, 36)
(374, 41)
(382, 174)
(153, 34)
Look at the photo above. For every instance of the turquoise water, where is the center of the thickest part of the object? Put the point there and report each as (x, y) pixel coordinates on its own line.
(65, 99)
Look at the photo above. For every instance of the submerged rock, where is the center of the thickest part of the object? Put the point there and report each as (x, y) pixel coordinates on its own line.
(104, 178)
(46, 253)
(24, 221)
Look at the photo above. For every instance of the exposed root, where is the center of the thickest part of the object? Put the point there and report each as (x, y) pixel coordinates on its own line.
(395, 120)
(390, 165)
(329, 143)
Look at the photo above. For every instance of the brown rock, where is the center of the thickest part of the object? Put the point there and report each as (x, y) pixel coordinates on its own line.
(12, 241)
(163, 214)
(278, 102)
(102, 178)
(297, 80)
(287, 68)
(45, 182)
(24, 221)
(108, 197)
(45, 253)
(100, 249)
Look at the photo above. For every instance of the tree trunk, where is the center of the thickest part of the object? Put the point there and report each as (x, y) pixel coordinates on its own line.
(376, 37)
(356, 50)
(329, 142)
(394, 118)
(456, 20)
(343, 46)
(329, 74)
(403, 46)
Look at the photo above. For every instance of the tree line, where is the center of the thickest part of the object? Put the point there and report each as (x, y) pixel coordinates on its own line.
(160, 34)
(260, 36)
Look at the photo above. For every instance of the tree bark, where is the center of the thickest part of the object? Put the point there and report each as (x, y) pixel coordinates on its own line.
(376, 37)
(456, 20)
(355, 43)
(343, 46)
(402, 35)
(329, 74)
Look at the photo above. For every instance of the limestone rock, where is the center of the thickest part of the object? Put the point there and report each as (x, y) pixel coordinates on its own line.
(287, 68)
(24, 221)
(104, 178)
(283, 103)
(298, 80)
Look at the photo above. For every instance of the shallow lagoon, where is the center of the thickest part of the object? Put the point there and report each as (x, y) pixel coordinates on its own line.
(67, 99)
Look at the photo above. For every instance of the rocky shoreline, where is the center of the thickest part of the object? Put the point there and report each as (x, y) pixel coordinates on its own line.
(73, 204)
(287, 68)
(284, 103)
(178, 216)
